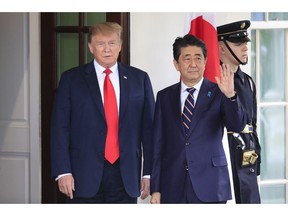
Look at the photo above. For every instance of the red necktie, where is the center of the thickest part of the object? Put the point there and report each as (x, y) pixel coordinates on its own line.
(111, 114)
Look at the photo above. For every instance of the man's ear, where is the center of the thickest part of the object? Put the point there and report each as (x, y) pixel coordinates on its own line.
(221, 48)
(90, 48)
(175, 64)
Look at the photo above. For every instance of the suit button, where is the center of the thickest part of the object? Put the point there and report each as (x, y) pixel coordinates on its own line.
(251, 170)
(186, 167)
(187, 143)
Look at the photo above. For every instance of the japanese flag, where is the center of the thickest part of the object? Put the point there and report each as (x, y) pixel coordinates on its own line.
(202, 25)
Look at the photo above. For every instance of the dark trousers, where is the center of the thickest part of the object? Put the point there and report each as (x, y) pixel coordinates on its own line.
(111, 190)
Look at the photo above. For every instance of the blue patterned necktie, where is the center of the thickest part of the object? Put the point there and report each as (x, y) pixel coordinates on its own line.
(188, 110)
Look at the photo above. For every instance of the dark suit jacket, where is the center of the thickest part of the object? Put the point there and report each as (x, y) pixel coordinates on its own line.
(202, 150)
(79, 129)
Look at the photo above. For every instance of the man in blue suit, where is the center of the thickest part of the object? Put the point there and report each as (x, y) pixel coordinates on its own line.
(191, 167)
(79, 126)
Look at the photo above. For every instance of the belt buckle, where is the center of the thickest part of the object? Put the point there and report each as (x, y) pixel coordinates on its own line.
(247, 129)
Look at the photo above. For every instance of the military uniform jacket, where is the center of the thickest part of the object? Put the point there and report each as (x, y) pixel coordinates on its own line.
(245, 178)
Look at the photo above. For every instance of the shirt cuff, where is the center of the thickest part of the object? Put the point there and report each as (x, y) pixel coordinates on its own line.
(59, 176)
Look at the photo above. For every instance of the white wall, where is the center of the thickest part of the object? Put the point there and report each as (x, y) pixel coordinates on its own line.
(152, 36)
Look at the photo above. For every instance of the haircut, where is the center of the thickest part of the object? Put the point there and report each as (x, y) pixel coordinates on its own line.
(187, 40)
(105, 28)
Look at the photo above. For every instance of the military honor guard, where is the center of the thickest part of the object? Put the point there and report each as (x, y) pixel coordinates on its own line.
(245, 150)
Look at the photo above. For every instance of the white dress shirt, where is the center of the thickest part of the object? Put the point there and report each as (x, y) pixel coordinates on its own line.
(114, 77)
(185, 93)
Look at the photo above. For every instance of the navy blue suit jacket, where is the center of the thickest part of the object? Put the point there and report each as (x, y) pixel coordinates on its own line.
(202, 150)
(78, 130)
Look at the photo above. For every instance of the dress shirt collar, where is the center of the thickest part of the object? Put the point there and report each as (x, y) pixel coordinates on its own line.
(197, 86)
(99, 69)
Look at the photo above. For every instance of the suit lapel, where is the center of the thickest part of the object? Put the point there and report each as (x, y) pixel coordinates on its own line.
(93, 86)
(205, 97)
(124, 93)
(176, 106)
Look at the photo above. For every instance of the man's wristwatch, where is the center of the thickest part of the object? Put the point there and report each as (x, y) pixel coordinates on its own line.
(233, 98)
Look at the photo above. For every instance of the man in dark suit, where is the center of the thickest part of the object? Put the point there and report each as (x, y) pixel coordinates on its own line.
(189, 162)
(245, 149)
(81, 126)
